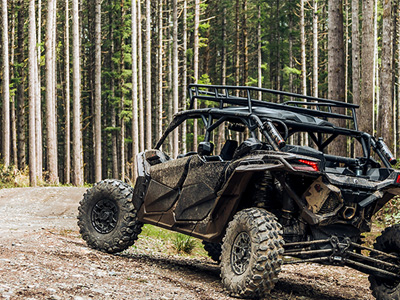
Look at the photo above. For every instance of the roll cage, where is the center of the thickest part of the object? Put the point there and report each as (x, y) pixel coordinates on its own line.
(278, 121)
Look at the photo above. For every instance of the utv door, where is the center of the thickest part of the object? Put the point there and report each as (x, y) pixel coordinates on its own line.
(199, 189)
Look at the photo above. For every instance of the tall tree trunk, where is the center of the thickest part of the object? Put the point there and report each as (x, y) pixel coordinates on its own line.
(38, 105)
(221, 129)
(21, 122)
(398, 84)
(135, 122)
(196, 62)
(77, 155)
(367, 68)
(114, 134)
(67, 138)
(32, 93)
(315, 48)
(140, 79)
(148, 76)
(6, 86)
(122, 102)
(175, 71)
(355, 40)
(259, 51)
(237, 45)
(160, 68)
(385, 124)
(336, 84)
(303, 50)
(184, 72)
(303, 137)
(12, 107)
(50, 94)
(245, 45)
(97, 93)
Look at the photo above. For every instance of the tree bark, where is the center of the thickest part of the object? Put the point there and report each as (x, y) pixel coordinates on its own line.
(32, 93)
(135, 122)
(140, 79)
(367, 68)
(245, 45)
(175, 72)
(6, 86)
(385, 124)
(77, 155)
(21, 122)
(97, 93)
(148, 77)
(38, 105)
(355, 40)
(67, 138)
(196, 62)
(51, 94)
(315, 48)
(184, 73)
(14, 150)
(160, 68)
(336, 83)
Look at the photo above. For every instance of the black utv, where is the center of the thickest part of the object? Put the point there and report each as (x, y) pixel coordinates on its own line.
(263, 200)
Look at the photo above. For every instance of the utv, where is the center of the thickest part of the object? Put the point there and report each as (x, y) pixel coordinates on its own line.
(263, 200)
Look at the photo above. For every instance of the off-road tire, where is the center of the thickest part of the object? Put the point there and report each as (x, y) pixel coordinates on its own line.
(213, 250)
(107, 217)
(261, 229)
(388, 242)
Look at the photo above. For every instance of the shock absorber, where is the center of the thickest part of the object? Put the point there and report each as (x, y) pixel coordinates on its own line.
(381, 145)
(264, 190)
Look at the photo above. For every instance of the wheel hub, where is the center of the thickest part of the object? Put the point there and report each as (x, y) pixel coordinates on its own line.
(240, 254)
(104, 216)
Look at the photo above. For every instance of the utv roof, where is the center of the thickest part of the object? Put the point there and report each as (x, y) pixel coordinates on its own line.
(298, 108)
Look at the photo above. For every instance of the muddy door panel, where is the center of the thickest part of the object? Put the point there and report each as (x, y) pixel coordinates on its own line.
(164, 187)
(199, 189)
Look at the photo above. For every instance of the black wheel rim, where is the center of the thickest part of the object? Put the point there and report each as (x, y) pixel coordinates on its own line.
(105, 216)
(240, 255)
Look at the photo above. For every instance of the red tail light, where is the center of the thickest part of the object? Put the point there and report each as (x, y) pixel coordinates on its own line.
(398, 179)
(308, 165)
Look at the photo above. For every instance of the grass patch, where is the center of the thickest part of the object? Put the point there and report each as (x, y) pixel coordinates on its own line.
(184, 243)
(389, 214)
(158, 240)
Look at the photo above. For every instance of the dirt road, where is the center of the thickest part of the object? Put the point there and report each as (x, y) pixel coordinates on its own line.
(43, 257)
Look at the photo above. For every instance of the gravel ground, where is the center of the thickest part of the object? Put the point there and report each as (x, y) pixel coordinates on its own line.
(43, 257)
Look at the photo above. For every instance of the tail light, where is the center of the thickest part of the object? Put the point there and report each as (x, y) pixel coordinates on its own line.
(398, 179)
(307, 165)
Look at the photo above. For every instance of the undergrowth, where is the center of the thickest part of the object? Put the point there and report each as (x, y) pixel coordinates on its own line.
(12, 177)
(389, 214)
(156, 239)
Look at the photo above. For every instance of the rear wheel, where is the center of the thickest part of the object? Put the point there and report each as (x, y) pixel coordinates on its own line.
(252, 252)
(107, 218)
(388, 242)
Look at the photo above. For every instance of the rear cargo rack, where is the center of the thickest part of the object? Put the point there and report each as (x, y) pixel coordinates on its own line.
(250, 97)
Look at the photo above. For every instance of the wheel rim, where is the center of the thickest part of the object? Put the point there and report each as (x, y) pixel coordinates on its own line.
(104, 216)
(240, 254)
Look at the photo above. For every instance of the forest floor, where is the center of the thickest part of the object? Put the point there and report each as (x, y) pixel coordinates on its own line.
(43, 257)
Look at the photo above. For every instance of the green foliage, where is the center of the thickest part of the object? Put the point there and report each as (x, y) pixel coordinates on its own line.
(289, 70)
(183, 243)
(12, 177)
(390, 213)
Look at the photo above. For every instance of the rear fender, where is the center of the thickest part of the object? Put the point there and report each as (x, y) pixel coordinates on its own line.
(231, 196)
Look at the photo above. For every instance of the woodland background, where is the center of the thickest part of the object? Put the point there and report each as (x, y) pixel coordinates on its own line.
(87, 84)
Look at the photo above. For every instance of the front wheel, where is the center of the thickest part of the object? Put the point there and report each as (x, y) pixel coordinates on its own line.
(252, 252)
(388, 242)
(107, 218)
